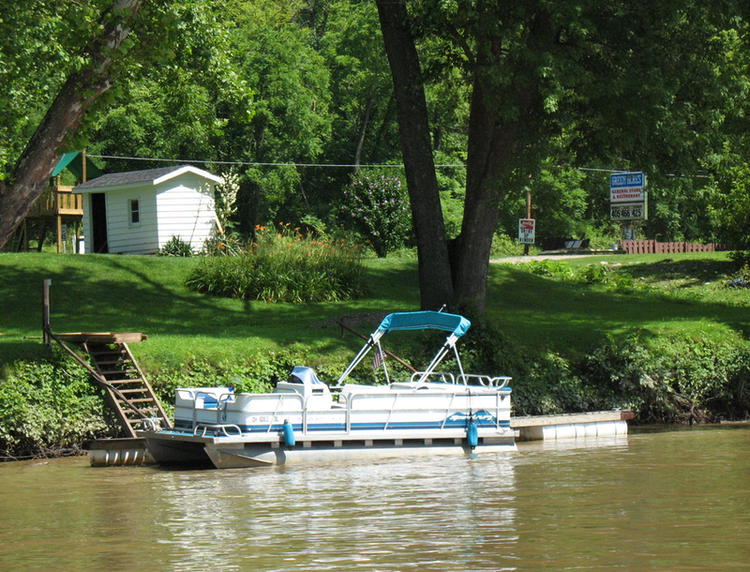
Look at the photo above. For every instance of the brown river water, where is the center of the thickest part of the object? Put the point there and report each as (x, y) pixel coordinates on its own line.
(655, 500)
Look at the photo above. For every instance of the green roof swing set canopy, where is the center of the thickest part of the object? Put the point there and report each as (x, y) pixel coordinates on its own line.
(426, 320)
(73, 162)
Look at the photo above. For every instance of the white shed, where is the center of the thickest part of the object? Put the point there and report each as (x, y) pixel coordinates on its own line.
(139, 211)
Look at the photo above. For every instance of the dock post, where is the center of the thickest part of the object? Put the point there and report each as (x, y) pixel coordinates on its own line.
(45, 313)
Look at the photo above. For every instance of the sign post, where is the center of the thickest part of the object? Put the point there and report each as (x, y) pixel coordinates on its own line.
(526, 230)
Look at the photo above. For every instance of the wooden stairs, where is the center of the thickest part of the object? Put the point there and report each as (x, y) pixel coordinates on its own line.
(128, 393)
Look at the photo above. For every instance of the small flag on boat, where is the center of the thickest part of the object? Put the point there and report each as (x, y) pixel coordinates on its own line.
(378, 358)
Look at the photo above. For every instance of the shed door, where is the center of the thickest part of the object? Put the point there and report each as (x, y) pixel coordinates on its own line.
(99, 222)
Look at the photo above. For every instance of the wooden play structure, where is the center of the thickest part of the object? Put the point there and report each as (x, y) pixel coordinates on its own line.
(59, 207)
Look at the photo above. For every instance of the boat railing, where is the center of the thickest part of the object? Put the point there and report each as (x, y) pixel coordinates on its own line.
(498, 382)
(355, 404)
(351, 398)
(198, 397)
(442, 377)
(226, 429)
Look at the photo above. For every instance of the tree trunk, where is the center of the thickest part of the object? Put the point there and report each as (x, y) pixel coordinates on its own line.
(33, 168)
(490, 143)
(362, 135)
(493, 145)
(435, 283)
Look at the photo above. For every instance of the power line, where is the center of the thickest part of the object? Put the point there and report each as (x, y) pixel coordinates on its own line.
(349, 166)
(264, 164)
(331, 165)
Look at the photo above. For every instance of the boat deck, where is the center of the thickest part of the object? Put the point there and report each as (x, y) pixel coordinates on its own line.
(527, 428)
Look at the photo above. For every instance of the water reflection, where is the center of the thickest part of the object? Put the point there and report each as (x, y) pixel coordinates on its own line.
(667, 500)
(409, 511)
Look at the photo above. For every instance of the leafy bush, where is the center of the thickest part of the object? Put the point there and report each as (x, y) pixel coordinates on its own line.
(283, 266)
(740, 258)
(46, 406)
(590, 274)
(227, 244)
(663, 380)
(504, 245)
(672, 380)
(549, 268)
(175, 246)
(377, 206)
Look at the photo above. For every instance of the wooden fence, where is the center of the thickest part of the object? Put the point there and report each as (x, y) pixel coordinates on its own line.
(656, 247)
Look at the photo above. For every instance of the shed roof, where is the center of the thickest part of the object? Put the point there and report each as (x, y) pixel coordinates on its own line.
(131, 178)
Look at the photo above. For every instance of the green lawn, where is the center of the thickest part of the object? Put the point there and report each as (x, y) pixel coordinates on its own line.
(682, 294)
(147, 294)
(675, 294)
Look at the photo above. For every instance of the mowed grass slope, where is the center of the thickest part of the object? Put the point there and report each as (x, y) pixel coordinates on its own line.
(106, 293)
(674, 295)
(678, 294)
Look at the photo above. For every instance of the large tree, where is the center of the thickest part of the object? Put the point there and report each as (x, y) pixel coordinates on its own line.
(619, 79)
(75, 98)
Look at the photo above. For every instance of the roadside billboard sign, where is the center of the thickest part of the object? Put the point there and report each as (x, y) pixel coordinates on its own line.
(627, 187)
(526, 230)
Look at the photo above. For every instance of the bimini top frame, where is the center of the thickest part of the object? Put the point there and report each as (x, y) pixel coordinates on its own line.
(426, 320)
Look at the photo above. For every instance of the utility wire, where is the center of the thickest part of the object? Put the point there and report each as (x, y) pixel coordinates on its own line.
(264, 164)
(331, 165)
(350, 166)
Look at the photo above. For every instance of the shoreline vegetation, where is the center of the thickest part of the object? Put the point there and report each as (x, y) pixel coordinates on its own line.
(660, 334)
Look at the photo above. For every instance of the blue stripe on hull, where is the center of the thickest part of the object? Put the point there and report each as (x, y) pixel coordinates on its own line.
(185, 425)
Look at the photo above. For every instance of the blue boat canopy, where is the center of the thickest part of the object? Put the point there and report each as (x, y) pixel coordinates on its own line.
(426, 320)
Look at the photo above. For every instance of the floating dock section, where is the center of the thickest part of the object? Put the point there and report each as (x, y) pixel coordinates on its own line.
(571, 425)
(117, 452)
(113, 452)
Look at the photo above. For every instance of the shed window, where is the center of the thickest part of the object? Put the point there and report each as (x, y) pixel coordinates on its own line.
(135, 211)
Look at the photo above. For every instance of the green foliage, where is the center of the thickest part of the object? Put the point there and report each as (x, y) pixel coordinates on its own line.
(590, 274)
(41, 42)
(550, 268)
(673, 379)
(283, 266)
(503, 245)
(184, 96)
(227, 244)
(47, 405)
(175, 246)
(377, 205)
(740, 258)
(742, 279)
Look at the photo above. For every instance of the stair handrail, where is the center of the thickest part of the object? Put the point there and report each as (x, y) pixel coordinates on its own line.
(163, 414)
(99, 378)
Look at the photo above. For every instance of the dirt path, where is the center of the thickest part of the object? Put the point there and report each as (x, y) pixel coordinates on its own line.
(516, 259)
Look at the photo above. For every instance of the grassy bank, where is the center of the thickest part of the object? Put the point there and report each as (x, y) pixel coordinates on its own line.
(148, 294)
(679, 294)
